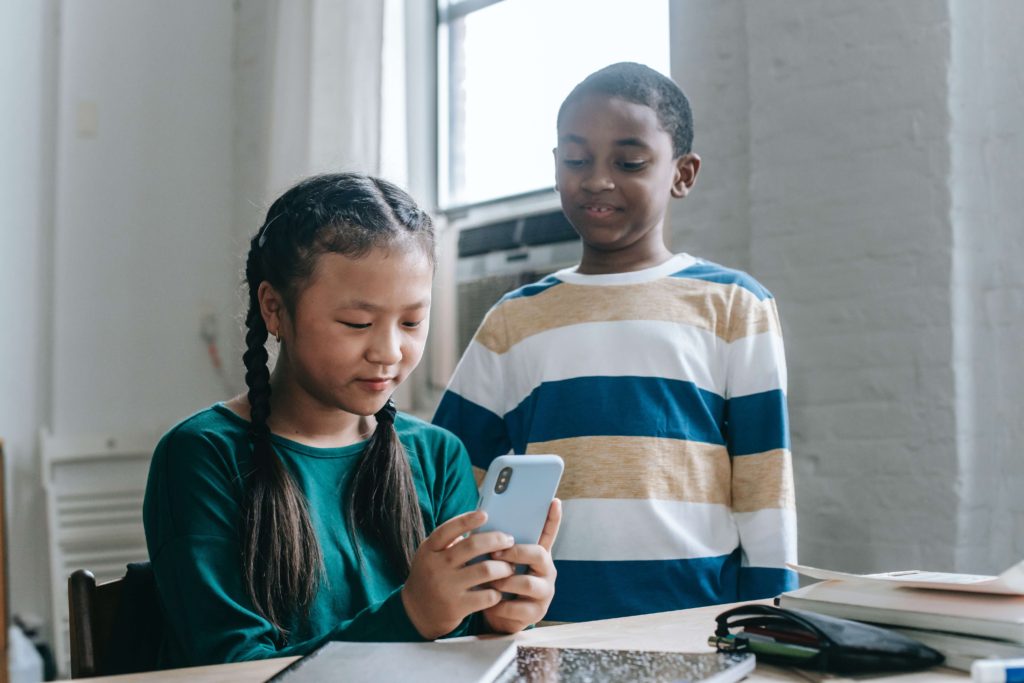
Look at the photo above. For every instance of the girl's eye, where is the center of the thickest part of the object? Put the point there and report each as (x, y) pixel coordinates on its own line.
(632, 165)
(412, 324)
(355, 326)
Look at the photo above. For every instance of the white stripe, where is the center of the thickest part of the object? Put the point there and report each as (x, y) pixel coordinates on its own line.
(756, 363)
(768, 537)
(478, 378)
(669, 350)
(673, 265)
(612, 530)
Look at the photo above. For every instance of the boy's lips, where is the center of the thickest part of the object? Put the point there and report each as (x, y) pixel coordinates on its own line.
(599, 210)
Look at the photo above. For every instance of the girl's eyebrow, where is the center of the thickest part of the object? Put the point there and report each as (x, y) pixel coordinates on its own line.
(373, 308)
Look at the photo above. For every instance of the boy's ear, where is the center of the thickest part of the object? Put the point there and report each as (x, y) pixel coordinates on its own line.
(271, 308)
(686, 174)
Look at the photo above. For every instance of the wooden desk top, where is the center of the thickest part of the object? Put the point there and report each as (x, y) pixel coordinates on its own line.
(680, 631)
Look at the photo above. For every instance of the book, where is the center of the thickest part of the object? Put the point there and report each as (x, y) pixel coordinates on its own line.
(500, 661)
(537, 664)
(960, 651)
(1010, 582)
(473, 661)
(974, 614)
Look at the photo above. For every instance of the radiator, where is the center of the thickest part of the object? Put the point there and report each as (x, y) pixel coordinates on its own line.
(94, 487)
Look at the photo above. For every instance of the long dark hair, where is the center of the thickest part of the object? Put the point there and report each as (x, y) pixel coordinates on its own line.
(282, 563)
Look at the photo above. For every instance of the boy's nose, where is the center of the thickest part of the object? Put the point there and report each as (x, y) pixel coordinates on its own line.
(598, 181)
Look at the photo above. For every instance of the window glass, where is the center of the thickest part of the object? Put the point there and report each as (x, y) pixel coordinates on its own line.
(504, 69)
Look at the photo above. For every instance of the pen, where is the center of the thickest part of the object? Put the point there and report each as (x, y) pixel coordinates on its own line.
(997, 671)
(761, 645)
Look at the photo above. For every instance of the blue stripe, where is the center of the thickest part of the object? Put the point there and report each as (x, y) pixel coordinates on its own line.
(757, 423)
(481, 431)
(712, 272)
(533, 289)
(604, 590)
(617, 406)
(765, 582)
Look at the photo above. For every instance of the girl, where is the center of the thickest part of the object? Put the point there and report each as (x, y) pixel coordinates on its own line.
(309, 510)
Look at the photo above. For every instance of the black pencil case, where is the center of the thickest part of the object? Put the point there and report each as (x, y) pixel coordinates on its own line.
(843, 646)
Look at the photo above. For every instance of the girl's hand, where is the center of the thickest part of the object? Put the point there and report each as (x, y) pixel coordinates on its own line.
(534, 589)
(442, 589)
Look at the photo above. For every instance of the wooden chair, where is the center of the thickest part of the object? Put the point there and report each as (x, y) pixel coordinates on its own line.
(4, 602)
(115, 626)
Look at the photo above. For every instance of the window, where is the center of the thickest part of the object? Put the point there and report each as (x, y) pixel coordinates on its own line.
(504, 67)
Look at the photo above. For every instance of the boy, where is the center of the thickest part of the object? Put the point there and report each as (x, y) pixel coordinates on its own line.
(660, 378)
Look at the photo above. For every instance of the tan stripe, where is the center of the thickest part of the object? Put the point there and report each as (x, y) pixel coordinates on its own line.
(632, 467)
(762, 481)
(705, 305)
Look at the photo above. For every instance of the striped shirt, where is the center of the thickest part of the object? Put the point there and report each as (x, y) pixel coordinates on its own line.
(664, 390)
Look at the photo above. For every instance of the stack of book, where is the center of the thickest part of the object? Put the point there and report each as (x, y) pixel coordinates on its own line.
(965, 617)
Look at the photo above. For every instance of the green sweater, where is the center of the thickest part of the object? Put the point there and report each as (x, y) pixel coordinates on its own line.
(192, 516)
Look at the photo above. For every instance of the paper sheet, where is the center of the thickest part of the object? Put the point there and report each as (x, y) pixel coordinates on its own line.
(1010, 582)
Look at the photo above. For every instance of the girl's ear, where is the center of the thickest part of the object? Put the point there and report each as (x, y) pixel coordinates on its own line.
(686, 174)
(271, 308)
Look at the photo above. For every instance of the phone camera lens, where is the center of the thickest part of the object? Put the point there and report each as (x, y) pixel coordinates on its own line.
(503, 478)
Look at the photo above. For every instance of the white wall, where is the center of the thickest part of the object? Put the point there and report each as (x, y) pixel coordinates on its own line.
(117, 238)
(710, 63)
(860, 161)
(143, 212)
(987, 104)
(28, 52)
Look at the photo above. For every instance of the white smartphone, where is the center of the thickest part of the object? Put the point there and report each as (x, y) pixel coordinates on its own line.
(516, 493)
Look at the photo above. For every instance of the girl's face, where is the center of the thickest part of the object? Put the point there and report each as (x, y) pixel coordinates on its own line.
(359, 327)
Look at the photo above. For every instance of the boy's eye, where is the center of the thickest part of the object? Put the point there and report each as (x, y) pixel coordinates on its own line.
(573, 163)
(632, 165)
(355, 326)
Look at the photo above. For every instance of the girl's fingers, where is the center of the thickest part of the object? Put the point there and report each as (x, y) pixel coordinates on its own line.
(449, 532)
(514, 613)
(525, 586)
(486, 572)
(537, 558)
(551, 524)
(477, 545)
(479, 600)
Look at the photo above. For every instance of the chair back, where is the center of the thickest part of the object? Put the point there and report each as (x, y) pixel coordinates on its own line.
(115, 627)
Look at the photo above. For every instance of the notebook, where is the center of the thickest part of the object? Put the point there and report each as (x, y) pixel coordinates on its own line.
(973, 614)
(473, 661)
(579, 665)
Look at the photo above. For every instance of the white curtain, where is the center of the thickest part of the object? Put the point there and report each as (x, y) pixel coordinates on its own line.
(332, 85)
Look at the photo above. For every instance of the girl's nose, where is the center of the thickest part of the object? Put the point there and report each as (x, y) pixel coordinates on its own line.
(385, 348)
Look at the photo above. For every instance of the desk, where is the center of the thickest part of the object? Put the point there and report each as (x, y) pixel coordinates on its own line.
(681, 631)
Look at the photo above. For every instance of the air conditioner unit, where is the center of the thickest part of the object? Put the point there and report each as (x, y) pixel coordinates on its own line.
(498, 256)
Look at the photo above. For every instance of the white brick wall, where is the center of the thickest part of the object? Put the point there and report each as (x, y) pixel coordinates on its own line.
(851, 172)
(987, 104)
(709, 60)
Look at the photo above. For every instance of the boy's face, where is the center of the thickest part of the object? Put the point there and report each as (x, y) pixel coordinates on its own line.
(615, 171)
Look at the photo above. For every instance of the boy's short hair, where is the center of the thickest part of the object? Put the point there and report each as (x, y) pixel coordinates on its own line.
(642, 85)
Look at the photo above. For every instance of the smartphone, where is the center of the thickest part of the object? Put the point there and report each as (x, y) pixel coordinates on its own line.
(516, 493)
